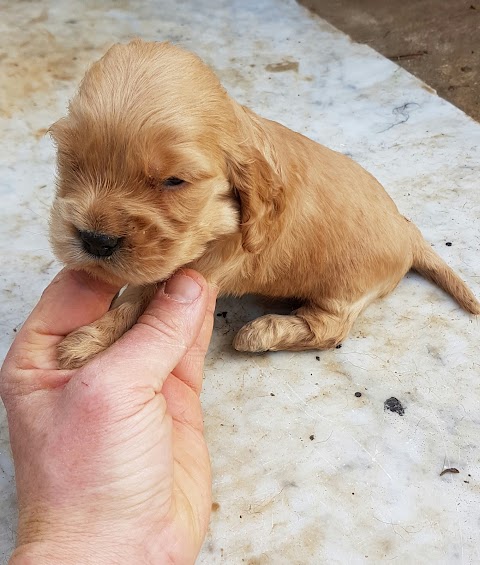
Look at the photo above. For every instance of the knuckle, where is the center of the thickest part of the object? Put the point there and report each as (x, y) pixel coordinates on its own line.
(168, 328)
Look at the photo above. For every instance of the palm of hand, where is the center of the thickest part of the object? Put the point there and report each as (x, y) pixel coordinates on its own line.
(119, 454)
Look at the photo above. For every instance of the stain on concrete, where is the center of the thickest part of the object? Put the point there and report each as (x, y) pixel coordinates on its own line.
(283, 67)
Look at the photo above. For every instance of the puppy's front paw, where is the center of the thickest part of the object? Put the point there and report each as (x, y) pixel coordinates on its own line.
(86, 342)
(80, 346)
(258, 335)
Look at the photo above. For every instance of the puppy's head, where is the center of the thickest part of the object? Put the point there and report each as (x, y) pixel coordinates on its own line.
(152, 167)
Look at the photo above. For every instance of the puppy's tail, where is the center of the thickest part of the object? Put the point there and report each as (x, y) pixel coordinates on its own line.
(432, 267)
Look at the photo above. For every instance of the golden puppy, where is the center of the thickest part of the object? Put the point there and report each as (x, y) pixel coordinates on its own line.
(159, 168)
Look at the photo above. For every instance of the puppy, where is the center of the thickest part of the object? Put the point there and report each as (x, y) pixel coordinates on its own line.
(158, 169)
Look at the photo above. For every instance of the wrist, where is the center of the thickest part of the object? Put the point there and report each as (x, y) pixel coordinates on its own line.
(44, 538)
(51, 542)
(40, 553)
(67, 553)
(47, 536)
(58, 547)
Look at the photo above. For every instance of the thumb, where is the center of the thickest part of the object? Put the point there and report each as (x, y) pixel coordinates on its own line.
(170, 325)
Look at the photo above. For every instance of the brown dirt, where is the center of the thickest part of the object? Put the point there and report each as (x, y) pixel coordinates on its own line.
(436, 40)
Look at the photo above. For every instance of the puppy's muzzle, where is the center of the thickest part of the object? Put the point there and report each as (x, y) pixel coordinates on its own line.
(99, 244)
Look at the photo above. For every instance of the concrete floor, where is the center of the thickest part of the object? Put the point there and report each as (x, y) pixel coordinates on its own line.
(436, 40)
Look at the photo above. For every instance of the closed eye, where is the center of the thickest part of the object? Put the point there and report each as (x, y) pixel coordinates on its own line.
(172, 181)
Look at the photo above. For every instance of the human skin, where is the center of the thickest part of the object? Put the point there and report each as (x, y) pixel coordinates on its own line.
(111, 464)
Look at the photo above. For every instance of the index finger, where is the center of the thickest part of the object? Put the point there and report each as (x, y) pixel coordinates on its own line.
(71, 300)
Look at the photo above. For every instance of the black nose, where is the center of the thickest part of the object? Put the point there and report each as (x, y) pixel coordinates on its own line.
(99, 244)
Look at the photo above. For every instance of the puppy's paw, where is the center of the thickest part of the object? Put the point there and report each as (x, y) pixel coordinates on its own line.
(82, 345)
(258, 335)
(86, 342)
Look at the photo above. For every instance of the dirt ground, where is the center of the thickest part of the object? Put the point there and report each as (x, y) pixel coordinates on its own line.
(436, 40)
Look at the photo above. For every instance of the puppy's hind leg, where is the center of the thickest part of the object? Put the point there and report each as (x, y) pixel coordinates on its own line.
(81, 345)
(309, 327)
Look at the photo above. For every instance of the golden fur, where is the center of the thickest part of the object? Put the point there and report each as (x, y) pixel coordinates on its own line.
(262, 210)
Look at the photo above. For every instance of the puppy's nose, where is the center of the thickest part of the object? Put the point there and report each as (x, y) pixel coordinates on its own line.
(99, 244)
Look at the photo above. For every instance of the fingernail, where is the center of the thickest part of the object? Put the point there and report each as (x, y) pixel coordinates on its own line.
(182, 289)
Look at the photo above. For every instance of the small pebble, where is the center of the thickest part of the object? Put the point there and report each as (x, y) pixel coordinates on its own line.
(394, 405)
(358, 394)
(312, 437)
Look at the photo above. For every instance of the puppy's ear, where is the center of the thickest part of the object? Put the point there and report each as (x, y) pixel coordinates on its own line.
(58, 130)
(262, 198)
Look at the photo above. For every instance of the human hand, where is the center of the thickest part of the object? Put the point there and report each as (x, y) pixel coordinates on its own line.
(111, 464)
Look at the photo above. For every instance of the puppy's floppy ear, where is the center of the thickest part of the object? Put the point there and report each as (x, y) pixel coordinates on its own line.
(261, 195)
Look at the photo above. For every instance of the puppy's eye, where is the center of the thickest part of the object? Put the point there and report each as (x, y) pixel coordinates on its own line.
(172, 181)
